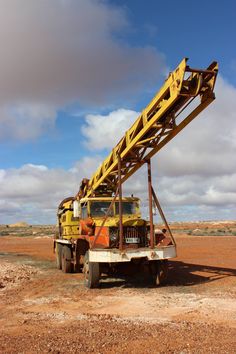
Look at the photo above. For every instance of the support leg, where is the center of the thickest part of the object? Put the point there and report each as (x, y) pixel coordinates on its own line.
(120, 205)
(150, 204)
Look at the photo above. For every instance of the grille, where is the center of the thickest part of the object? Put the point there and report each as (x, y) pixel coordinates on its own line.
(133, 236)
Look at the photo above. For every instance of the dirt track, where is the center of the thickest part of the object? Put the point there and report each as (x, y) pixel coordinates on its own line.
(44, 310)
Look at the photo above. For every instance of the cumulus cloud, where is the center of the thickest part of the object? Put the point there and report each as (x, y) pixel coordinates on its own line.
(33, 192)
(194, 175)
(55, 53)
(207, 146)
(189, 197)
(26, 121)
(105, 130)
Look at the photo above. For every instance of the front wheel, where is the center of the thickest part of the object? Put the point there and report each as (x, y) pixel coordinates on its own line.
(159, 271)
(91, 273)
(58, 255)
(66, 259)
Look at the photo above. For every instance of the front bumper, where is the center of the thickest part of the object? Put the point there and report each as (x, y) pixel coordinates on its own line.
(115, 255)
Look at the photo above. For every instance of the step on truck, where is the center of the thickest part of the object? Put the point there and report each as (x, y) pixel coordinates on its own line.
(102, 232)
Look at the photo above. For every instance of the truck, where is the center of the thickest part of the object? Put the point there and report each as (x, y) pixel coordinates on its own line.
(101, 232)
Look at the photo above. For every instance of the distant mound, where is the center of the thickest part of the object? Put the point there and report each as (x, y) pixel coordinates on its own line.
(19, 224)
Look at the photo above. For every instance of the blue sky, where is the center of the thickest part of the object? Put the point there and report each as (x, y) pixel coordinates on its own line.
(69, 64)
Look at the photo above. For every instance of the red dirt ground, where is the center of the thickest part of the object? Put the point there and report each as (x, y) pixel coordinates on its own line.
(46, 311)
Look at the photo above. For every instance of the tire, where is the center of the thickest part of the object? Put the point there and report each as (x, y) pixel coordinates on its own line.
(91, 273)
(81, 249)
(159, 271)
(58, 255)
(66, 259)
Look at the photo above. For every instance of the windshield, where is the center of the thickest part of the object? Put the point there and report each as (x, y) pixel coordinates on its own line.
(100, 208)
(127, 208)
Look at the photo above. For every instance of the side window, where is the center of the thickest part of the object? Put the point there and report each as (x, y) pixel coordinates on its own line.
(84, 212)
(63, 218)
(74, 218)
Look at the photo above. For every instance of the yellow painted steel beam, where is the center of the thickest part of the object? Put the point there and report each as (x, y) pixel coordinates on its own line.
(157, 124)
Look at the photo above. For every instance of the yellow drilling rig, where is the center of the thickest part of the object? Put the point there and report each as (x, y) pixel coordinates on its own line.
(102, 232)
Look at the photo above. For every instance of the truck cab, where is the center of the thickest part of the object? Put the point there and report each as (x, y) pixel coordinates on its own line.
(84, 219)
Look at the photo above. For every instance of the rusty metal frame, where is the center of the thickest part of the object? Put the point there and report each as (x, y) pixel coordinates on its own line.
(120, 205)
(153, 197)
(150, 204)
(156, 201)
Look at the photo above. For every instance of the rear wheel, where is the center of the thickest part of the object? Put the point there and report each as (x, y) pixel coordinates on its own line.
(66, 259)
(58, 255)
(91, 273)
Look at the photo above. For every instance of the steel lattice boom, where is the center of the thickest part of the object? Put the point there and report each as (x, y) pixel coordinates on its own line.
(164, 117)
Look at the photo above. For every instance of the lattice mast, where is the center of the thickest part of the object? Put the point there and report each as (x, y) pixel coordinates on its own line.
(163, 118)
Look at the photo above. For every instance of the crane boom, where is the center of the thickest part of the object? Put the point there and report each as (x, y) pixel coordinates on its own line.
(156, 126)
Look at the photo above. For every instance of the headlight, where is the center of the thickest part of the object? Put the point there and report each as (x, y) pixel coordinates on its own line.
(113, 235)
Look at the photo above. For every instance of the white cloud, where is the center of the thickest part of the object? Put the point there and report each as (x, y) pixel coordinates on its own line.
(194, 175)
(104, 131)
(55, 53)
(207, 146)
(86, 166)
(31, 166)
(33, 192)
(26, 121)
(189, 197)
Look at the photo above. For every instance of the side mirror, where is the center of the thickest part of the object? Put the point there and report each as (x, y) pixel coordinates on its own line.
(76, 209)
